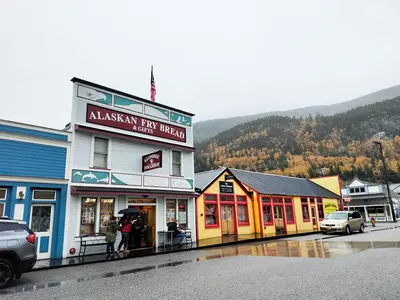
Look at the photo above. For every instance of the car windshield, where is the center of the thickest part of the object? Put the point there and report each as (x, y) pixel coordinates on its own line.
(336, 216)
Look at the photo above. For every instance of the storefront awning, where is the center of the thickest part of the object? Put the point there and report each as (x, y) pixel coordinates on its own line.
(109, 191)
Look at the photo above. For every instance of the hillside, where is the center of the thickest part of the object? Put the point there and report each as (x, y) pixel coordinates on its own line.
(207, 129)
(328, 145)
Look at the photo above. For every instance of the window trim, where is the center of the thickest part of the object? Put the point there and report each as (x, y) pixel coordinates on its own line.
(5, 195)
(320, 203)
(272, 213)
(108, 167)
(293, 211)
(172, 163)
(244, 203)
(214, 202)
(227, 201)
(308, 209)
(38, 190)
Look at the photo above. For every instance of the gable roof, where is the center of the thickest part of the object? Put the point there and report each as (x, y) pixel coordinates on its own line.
(282, 185)
(204, 179)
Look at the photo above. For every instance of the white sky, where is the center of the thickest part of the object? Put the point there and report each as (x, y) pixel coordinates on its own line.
(212, 58)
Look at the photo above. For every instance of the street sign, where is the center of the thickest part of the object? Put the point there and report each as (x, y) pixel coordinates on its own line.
(347, 199)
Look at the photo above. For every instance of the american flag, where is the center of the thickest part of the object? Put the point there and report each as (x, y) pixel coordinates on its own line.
(153, 87)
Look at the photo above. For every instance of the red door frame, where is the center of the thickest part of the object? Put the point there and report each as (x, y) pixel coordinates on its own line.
(313, 207)
(283, 211)
(232, 203)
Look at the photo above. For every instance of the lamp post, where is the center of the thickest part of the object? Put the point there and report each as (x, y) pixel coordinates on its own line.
(387, 180)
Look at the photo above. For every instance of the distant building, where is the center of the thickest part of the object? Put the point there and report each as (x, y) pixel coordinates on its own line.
(370, 200)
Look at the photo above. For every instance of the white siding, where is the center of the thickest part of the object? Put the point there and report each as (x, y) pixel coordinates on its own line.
(82, 150)
(188, 164)
(374, 189)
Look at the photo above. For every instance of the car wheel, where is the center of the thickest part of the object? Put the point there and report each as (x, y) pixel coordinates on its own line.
(348, 231)
(6, 273)
(361, 228)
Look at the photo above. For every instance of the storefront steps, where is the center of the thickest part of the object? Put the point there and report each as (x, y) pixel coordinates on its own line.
(201, 244)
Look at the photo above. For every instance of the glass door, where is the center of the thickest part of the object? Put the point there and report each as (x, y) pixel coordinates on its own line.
(42, 225)
(279, 222)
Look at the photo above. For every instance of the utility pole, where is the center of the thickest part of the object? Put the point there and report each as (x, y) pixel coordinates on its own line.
(387, 181)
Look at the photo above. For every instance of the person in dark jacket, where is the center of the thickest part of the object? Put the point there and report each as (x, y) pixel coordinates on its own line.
(111, 236)
(178, 235)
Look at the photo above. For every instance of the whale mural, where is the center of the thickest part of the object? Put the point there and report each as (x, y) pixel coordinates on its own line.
(84, 176)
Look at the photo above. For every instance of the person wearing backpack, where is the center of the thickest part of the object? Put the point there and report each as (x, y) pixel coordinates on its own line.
(111, 236)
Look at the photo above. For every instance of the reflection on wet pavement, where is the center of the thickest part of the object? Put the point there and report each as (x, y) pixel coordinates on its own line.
(316, 249)
(288, 248)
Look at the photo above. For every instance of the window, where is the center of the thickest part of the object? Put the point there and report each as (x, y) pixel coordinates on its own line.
(226, 198)
(211, 211)
(10, 227)
(171, 210)
(352, 191)
(88, 215)
(44, 195)
(356, 215)
(176, 163)
(321, 214)
(304, 209)
(106, 212)
(289, 211)
(3, 194)
(41, 217)
(312, 200)
(100, 156)
(182, 214)
(362, 190)
(243, 214)
(267, 211)
(2, 209)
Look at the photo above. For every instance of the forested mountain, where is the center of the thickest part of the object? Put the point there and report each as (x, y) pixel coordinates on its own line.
(312, 146)
(207, 129)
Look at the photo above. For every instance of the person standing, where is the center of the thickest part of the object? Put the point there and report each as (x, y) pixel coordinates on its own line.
(111, 236)
(125, 231)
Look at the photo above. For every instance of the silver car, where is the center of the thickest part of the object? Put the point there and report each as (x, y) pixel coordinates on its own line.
(17, 250)
(343, 221)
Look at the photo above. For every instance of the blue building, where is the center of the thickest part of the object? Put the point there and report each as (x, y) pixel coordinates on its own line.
(33, 184)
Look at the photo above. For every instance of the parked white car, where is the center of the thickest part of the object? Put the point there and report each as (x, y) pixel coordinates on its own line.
(343, 221)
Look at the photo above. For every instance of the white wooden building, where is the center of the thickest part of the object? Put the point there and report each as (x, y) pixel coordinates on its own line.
(127, 151)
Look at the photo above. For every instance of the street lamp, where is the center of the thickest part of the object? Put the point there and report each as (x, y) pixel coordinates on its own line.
(387, 180)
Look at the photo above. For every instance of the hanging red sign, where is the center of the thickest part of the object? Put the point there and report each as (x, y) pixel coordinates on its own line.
(116, 119)
(152, 161)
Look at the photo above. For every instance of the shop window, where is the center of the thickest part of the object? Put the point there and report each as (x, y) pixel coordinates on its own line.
(3, 194)
(312, 200)
(106, 212)
(321, 214)
(171, 210)
(176, 163)
(305, 210)
(375, 211)
(44, 195)
(226, 198)
(2, 209)
(243, 213)
(182, 214)
(100, 156)
(289, 211)
(211, 211)
(267, 211)
(88, 215)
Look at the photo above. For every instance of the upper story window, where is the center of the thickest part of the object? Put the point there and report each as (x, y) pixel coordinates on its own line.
(176, 163)
(100, 156)
(357, 190)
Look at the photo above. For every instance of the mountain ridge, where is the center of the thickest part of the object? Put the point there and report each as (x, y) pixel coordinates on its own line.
(204, 130)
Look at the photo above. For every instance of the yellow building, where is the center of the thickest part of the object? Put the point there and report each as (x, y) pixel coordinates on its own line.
(225, 206)
(259, 203)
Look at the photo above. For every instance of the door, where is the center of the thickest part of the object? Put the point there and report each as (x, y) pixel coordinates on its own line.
(356, 221)
(279, 222)
(42, 225)
(151, 226)
(314, 218)
(227, 220)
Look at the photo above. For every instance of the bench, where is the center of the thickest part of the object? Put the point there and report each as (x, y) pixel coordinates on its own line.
(91, 239)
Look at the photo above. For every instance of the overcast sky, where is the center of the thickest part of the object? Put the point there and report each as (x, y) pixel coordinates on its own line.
(212, 58)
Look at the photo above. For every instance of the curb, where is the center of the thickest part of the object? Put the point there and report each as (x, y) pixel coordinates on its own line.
(372, 230)
(177, 250)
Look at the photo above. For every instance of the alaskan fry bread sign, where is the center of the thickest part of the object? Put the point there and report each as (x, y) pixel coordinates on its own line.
(330, 206)
(116, 119)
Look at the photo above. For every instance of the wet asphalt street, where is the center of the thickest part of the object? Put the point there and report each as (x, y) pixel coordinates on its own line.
(359, 266)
